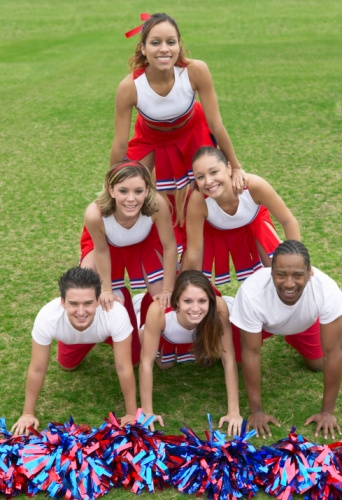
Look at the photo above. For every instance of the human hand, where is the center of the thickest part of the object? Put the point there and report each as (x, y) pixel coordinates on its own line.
(164, 298)
(107, 299)
(239, 180)
(234, 421)
(325, 421)
(127, 419)
(259, 421)
(22, 424)
(156, 418)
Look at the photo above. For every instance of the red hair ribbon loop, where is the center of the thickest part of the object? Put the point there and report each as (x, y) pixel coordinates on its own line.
(136, 30)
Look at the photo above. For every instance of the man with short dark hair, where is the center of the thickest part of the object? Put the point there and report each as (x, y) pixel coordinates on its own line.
(78, 322)
(303, 304)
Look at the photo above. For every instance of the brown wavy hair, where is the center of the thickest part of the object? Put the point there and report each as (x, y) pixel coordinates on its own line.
(120, 172)
(207, 345)
(138, 60)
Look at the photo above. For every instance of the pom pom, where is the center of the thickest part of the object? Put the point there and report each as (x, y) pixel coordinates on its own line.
(296, 466)
(220, 468)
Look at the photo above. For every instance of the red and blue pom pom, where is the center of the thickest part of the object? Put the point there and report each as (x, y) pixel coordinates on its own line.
(78, 462)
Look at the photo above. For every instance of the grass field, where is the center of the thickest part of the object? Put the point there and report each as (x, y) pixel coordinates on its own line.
(277, 71)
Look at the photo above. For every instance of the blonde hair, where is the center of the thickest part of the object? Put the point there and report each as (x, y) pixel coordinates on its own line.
(120, 172)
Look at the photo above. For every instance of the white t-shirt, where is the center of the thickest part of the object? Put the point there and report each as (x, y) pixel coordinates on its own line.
(52, 323)
(257, 305)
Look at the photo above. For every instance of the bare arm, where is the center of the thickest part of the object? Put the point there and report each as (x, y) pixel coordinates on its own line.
(331, 341)
(251, 369)
(94, 223)
(155, 324)
(124, 369)
(163, 222)
(34, 383)
(233, 417)
(201, 81)
(264, 194)
(196, 214)
(125, 101)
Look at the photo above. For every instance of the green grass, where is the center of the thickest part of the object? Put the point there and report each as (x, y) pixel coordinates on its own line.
(277, 72)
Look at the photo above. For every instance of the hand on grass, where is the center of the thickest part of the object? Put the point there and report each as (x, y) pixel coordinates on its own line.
(127, 419)
(326, 422)
(22, 424)
(259, 421)
(156, 418)
(234, 421)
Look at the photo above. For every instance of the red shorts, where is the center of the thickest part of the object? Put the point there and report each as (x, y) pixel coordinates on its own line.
(70, 355)
(307, 343)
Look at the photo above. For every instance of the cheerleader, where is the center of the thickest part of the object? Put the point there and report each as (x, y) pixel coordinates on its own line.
(199, 320)
(128, 229)
(221, 225)
(171, 125)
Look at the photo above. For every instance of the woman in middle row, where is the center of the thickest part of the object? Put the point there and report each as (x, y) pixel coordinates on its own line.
(220, 224)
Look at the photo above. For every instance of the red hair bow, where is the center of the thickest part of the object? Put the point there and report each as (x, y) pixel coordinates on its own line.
(136, 30)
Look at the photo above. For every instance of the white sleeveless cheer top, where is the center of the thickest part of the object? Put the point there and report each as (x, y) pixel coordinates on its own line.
(177, 104)
(246, 212)
(121, 237)
(174, 332)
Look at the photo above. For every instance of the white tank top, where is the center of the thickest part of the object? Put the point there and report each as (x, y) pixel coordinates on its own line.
(246, 212)
(121, 237)
(177, 104)
(174, 332)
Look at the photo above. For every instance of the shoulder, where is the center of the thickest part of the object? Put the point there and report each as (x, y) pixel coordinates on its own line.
(257, 282)
(92, 213)
(197, 70)
(126, 83)
(126, 89)
(256, 184)
(197, 200)
(114, 320)
(319, 279)
(155, 316)
(47, 321)
(222, 307)
(93, 209)
(54, 306)
(196, 65)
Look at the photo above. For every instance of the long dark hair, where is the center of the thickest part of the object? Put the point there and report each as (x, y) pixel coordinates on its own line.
(207, 345)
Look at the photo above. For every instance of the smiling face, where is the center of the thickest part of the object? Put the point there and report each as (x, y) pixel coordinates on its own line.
(161, 48)
(290, 276)
(192, 307)
(80, 305)
(212, 175)
(129, 196)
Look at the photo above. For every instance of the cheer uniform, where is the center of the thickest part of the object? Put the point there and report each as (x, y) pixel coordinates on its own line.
(173, 148)
(131, 250)
(175, 341)
(235, 236)
(134, 250)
